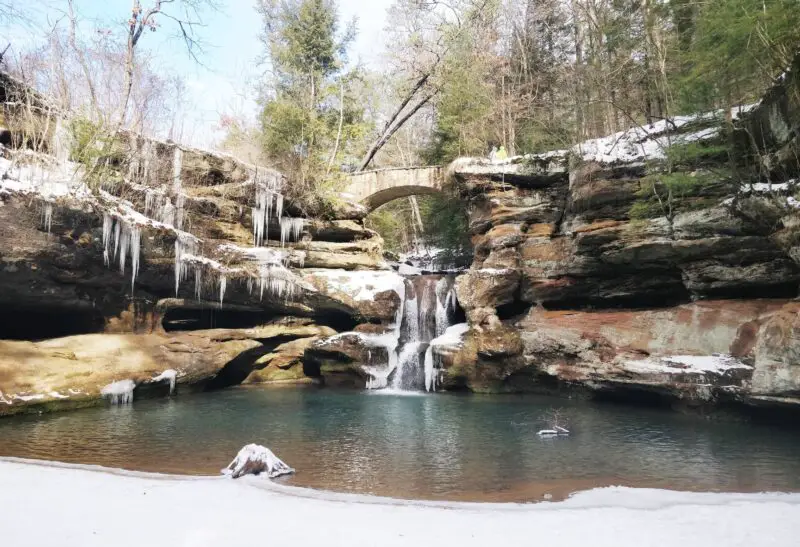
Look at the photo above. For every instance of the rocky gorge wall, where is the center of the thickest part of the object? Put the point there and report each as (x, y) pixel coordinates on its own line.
(658, 264)
(172, 266)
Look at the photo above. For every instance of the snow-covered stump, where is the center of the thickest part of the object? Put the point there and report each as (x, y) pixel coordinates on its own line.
(555, 432)
(255, 459)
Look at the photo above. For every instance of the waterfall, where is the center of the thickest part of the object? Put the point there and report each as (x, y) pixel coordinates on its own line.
(427, 309)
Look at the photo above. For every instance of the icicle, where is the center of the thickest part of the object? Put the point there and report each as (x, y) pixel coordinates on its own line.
(133, 165)
(180, 202)
(170, 375)
(136, 239)
(430, 373)
(183, 247)
(117, 231)
(198, 282)
(279, 206)
(147, 160)
(445, 294)
(148, 202)
(167, 213)
(177, 166)
(223, 283)
(47, 216)
(125, 240)
(119, 393)
(291, 228)
(108, 225)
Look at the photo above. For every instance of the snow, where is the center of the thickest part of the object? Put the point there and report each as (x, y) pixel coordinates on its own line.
(763, 187)
(555, 432)
(170, 375)
(363, 285)
(651, 141)
(679, 364)
(119, 393)
(256, 459)
(26, 398)
(452, 335)
(200, 511)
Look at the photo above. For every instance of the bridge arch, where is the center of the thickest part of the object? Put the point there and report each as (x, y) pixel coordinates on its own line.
(375, 188)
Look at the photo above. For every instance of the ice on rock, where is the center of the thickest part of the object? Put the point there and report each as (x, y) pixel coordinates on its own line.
(177, 166)
(47, 216)
(679, 364)
(291, 228)
(256, 459)
(127, 240)
(198, 283)
(452, 336)
(119, 393)
(170, 375)
(268, 196)
(135, 246)
(183, 247)
(223, 284)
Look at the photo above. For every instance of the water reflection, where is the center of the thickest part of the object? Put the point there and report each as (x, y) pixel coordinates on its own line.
(438, 447)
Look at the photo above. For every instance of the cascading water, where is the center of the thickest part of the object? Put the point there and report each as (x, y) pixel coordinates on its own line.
(428, 307)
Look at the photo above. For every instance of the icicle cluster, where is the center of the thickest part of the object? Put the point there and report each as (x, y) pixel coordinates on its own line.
(126, 238)
(159, 207)
(268, 200)
(119, 393)
(269, 204)
(184, 247)
(291, 228)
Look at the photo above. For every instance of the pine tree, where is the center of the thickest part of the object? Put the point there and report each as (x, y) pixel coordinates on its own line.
(309, 116)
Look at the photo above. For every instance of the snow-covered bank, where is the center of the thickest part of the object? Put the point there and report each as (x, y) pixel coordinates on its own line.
(71, 506)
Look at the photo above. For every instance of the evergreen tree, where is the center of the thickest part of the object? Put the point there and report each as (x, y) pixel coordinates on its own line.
(310, 118)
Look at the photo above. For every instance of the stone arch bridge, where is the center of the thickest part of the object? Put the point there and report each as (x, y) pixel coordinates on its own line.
(374, 188)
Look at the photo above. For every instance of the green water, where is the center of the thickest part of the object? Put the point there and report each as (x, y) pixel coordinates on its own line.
(439, 446)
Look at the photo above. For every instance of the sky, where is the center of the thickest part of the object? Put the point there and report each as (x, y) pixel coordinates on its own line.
(223, 84)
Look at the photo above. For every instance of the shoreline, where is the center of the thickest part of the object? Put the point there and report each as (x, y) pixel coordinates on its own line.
(557, 491)
(92, 505)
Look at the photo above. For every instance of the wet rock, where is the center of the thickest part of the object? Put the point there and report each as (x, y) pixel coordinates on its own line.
(777, 355)
(340, 360)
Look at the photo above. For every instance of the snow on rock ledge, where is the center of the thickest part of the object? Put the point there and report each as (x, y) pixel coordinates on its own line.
(360, 285)
(255, 459)
(683, 364)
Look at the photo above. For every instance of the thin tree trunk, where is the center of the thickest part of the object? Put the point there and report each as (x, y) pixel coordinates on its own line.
(339, 132)
(382, 138)
(388, 135)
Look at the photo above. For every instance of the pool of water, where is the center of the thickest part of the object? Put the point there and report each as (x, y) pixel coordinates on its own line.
(441, 446)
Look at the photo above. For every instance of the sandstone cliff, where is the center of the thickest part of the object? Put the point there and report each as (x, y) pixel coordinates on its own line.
(660, 263)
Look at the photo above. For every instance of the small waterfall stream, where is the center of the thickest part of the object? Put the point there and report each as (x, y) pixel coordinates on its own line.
(428, 306)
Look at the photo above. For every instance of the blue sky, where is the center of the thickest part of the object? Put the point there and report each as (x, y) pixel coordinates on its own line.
(224, 83)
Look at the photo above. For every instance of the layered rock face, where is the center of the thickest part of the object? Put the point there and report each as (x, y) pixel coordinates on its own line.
(651, 263)
(168, 258)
